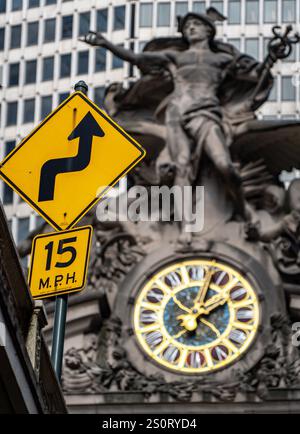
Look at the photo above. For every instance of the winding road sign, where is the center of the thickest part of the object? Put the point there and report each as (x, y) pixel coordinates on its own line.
(65, 165)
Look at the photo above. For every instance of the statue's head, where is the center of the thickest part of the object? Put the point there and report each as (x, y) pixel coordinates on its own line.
(198, 27)
(294, 195)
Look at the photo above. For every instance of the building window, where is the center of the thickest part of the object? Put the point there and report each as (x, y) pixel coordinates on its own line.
(181, 9)
(15, 36)
(116, 61)
(273, 93)
(29, 109)
(163, 14)
(83, 62)
(84, 23)
(8, 194)
(102, 20)
(33, 3)
(2, 6)
(48, 68)
(288, 11)
(12, 113)
(270, 11)
(288, 90)
(14, 69)
(16, 5)
(67, 27)
(100, 59)
(99, 95)
(217, 5)
(50, 2)
(119, 18)
(62, 96)
(146, 13)
(234, 12)
(30, 72)
(251, 47)
(65, 65)
(252, 11)
(23, 229)
(46, 106)
(2, 35)
(49, 30)
(199, 7)
(32, 33)
(236, 42)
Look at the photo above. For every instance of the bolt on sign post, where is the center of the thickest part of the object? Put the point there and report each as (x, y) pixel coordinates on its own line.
(62, 168)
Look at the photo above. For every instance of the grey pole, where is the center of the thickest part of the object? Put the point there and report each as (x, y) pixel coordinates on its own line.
(61, 304)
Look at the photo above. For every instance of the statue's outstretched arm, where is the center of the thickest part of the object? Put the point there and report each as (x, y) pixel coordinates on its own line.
(97, 39)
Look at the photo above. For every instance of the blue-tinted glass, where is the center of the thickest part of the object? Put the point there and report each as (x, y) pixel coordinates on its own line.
(84, 23)
(252, 11)
(146, 11)
(99, 95)
(67, 27)
(119, 17)
(65, 65)
(163, 14)
(181, 8)
(270, 11)
(46, 106)
(102, 20)
(62, 96)
(12, 112)
(29, 108)
(23, 229)
(16, 5)
(30, 72)
(50, 2)
(33, 3)
(288, 11)
(8, 194)
(236, 42)
(100, 59)
(288, 90)
(48, 68)
(273, 93)
(2, 6)
(49, 30)
(14, 69)
(83, 62)
(251, 47)
(33, 33)
(15, 36)
(2, 33)
(117, 62)
(199, 7)
(234, 12)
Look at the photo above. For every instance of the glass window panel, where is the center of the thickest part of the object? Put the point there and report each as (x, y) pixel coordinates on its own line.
(288, 90)
(217, 5)
(163, 14)
(29, 109)
(33, 3)
(16, 5)
(100, 59)
(119, 18)
(288, 11)
(116, 61)
(2, 6)
(99, 95)
(15, 36)
(251, 47)
(84, 23)
(48, 68)
(252, 11)
(65, 65)
(181, 8)
(8, 194)
(273, 93)
(2, 34)
(146, 12)
(50, 2)
(236, 42)
(49, 30)
(83, 62)
(199, 7)
(46, 106)
(32, 33)
(67, 27)
(234, 12)
(62, 96)
(23, 229)
(12, 112)
(14, 69)
(270, 11)
(30, 72)
(102, 20)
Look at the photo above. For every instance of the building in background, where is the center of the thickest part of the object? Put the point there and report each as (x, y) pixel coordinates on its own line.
(41, 59)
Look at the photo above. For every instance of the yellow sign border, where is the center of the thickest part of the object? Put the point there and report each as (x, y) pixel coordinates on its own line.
(103, 193)
(87, 259)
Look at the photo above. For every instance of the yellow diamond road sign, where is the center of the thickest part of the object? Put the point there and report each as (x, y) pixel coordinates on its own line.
(70, 161)
(59, 262)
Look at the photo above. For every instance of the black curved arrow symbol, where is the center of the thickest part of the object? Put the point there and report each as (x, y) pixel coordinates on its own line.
(85, 130)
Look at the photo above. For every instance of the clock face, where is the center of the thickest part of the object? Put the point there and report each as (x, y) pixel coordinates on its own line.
(196, 316)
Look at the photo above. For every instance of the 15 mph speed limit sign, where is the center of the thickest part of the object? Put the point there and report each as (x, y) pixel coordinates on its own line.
(59, 262)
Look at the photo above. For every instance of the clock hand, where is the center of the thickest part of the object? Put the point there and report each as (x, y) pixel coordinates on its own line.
(213, 305)
(203, 290)
(211, 326)
(179, 334)
(179, 304)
